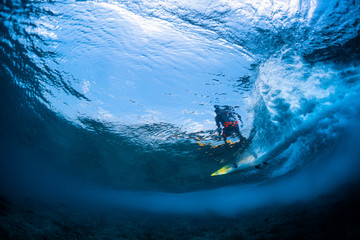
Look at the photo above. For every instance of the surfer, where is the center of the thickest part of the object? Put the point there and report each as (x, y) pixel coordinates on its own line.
(227, 122)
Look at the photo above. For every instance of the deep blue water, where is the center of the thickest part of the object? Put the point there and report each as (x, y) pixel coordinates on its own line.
(103, 102)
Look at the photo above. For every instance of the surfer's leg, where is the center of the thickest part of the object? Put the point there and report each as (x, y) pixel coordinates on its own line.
(225, 138)
(224, 134)
(238, 134)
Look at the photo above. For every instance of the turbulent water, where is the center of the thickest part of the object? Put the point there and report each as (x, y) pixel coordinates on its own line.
(116, 94)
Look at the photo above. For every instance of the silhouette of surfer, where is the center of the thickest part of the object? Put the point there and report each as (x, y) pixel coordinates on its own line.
(227, 122)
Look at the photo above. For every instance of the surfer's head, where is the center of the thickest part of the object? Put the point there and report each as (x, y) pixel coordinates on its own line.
(224, 107)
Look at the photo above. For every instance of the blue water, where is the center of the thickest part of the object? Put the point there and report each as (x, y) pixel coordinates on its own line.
(104, 101)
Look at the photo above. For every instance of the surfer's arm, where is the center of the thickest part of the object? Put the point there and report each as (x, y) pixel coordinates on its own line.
(217, 121)
(242, 123)
(218, 124)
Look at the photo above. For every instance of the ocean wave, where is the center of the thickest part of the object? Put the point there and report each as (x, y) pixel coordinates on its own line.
(118, 93)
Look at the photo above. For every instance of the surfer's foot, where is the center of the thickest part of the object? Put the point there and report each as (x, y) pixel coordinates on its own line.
(235, 165)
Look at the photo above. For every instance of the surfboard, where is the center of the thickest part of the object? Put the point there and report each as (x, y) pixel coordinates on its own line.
(248, 160)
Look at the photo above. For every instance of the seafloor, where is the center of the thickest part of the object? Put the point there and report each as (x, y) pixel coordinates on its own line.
(334, 216)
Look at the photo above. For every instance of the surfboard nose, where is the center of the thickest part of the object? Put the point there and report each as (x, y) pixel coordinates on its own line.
(222, 171)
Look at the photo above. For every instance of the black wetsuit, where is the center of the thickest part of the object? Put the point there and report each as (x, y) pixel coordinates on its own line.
(228, 119)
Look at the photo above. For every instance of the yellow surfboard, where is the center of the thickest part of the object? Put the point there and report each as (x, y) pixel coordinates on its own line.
(244, 162)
